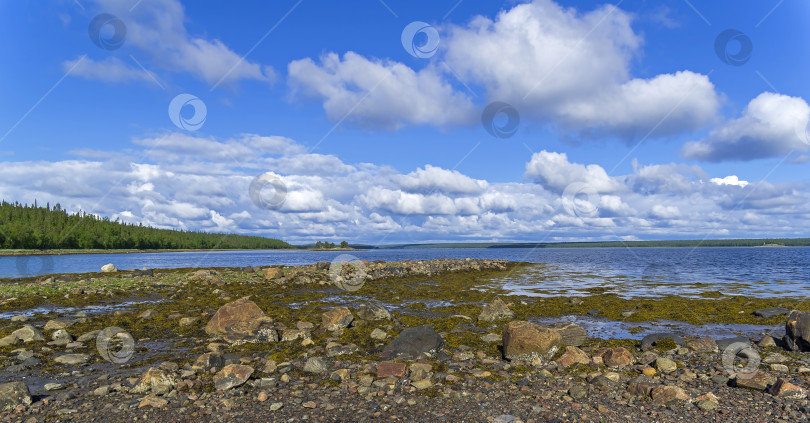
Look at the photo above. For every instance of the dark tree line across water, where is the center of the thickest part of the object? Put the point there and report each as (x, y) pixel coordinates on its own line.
(33, 227)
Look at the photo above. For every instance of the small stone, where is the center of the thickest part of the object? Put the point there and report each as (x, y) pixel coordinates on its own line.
(56, 324)
(340, 375)
(707, 402)
(19, 318)
(187, 321)
(767, 341)
(53, 386)
(207, 361)
(153, 402)
(420, 371)
(702, 345)
(422, 384)
(491, 338)
(315, 365)
(72, 359)
(276, 406)
(309, 404)
(271, 273)
(779, 368)
(147, 314)
(373, 310)
(378, 334)
(156, 381)
(89, 336)
(262, 397)
(775, 358)
(665, 365)
(231, 376)
(389, 368)
(28, 333)
(573, 355)
(648, 371)
(109, 268)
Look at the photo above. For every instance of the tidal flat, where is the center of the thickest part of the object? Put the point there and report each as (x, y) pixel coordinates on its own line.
(166, 313)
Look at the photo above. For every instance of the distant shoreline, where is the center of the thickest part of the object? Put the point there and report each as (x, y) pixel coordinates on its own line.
(16, 253)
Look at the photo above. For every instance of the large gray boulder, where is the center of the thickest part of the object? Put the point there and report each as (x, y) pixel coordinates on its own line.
(13, 394)
(413, 343)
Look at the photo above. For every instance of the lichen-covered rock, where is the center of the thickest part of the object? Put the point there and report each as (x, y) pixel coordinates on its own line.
(28, 333)
(496, 310)
(237, 320)
(13, 394)
(155, 380)
(618, 357)
(665, 394)
(373, 310)
(526, 341)
(573, 355)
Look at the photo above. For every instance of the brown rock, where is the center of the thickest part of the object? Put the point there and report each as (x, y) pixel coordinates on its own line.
(665, 394)
(797, 328)
(526, 341)
(641, 387)
(389, 368)
(153, 402)
(758, 381)
(208, 361)
(236, 320)
(155, 380)
(420, 371)
(336, 318)
(231, 376)
(187, 321)
(573, 355)
(496, 310)
(702, 345)
(618, 357)
(13, 394)
(784, 389)
(271, 273)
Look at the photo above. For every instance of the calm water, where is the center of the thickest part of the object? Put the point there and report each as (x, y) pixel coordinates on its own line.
(629, 272)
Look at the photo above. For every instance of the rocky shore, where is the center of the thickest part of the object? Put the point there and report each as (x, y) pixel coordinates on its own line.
(373, 341)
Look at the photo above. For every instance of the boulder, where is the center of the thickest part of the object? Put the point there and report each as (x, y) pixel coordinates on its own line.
(13, 394)
(336, 318)
(28, 333)
(56, 324)
(108, 268)
(771, 312)
(784, 389)
(413, 343)
(496, 310)
(797, 331)
(573, 355)
(72, 359)
(237, 320)
(231, 376)
(665, 394)
(271, 273)
(618, 357)
(724, 343)
(208, 361)
(641, 386)
(420, 371)
(155, 380)
(526, 341)
(665, 365)
(758, 381)
(572, 333)
(702, 345)
(373, 310)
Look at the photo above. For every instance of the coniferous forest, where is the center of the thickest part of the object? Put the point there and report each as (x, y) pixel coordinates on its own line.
(49, 228)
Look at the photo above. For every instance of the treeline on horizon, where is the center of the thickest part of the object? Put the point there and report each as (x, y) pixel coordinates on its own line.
(45, 228)
(788, 242)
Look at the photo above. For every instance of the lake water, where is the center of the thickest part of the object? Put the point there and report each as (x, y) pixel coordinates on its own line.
(630, 272)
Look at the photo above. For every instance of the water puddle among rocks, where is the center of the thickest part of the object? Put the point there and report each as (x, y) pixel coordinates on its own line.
(89, 310)
(611, 329)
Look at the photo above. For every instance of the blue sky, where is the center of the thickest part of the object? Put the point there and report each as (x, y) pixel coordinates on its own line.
(633, 123)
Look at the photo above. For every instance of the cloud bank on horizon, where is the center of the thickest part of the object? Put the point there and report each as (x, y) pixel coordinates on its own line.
(582, 75)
